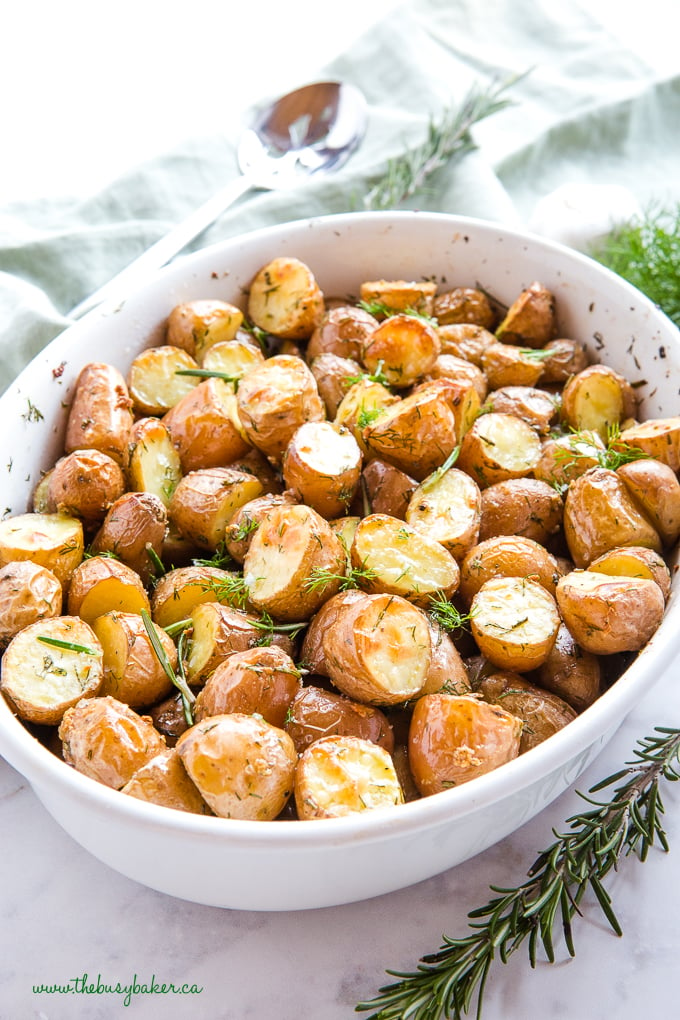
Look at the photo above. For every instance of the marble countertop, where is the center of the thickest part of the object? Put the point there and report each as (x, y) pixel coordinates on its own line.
(65, 915)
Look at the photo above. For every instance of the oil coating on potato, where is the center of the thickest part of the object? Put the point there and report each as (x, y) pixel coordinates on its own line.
(655, 489)
(416, 434)
(379, 650)
(177, 593)
(217, 631)
(499, 446)
(54, 541)
(28, 593)
(514, 622)
(342, 775)
(132, 671)
(134, 530)
(100, 416)
(262, 681)
(49, 666)
(107, 741)
(363, 403)
(455, 738)
(334, 376)
(466, 375)
(315, 713)
(505, 364)
(597, 399)
(84, 484)
(102, 584)
(542, 713)
(195, 326)
(530, 320)
(313, 656)
(571, 672)
(247, 519)
(447, 508)
(461, 396)
(464, 305)
(388, 489)
(242, 766)
(155, 378)
(391, 296)
(343, 331)
(521, 506)
(285, 299)
(465, 341)
(154, 465)
(233, 358)
(608, 614)
(564, 458)
(536, 407)
(563, 359)
(204, 427)
(447, 672)
(658, 438)
(635, 561)
(165, 781)
(322, 467)
(507, 556)
(204, 502)
(295, 562)
(274, 400)
(404, 348)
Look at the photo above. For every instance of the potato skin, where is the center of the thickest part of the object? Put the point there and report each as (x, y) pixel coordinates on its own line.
(389, 489)
(597, 398)
(453, 739)
(28, 593)
(205, 501)
(655, 489)
(530, 320)
(322, 467)
(609, 614)
(448, 510)
(101, 584)
(465, 340)
(466, 305)
(507, 556)
(54, 541)
(285, 299)
(242, 766)
(107, 741)
(499, 446)
(521, 506)
(84, 484)
(635, 561)
(153, 465)
(179, 591)
(195, 326)
(132, 672)
(100, 417)
(218, 632)
(203, 425)
(135, 523)
(514, 621)
(570, 672)
(658, 438)
(164, 781)
(258, 680)
(315, 713)
(334, 377)
(542, 713)
(416, 434)
(247, 519)
(343, 331)
(404, 347)
(341, 775)
(312, 653)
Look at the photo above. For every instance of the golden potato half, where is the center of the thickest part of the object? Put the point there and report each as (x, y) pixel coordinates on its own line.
(343, 775)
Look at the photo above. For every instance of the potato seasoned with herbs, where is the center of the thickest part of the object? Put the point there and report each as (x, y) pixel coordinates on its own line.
(134, 530)
(204, 426)
(404, 348)
(165, 781)
(416, 434)
(204, 503)
(541, 712)
(28, 593)
(597, 399)
(507, 556)
(530, 320)
(608, 614)
(536, 407)
(521, 506)
(570, 672)
(322, 467)
(154, 465)
(217, 631)
(159, 377)
(658, 438)
(655, 489)
(497, 447)
(54, 541)
(343, 331)
(635, 561)
(177, 593)
(465, 341)
(315, 713)
(247, 519)
(133, 673)
(100, 585)
(464, 304)
(195, 326)
(514, 621)
(100, 416)
(363, 404)
(285, 299)
(334, 376)
(258, 681)
(343, 775)
(390, 296)
(505, 364)
(446, 507)
(84, 484)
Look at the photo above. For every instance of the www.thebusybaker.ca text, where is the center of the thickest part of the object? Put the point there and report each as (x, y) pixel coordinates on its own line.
(85, 986)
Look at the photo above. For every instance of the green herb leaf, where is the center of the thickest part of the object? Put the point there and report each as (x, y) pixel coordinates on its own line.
(70, 646)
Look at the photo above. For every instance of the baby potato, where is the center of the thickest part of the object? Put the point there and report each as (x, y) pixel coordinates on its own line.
(400, 560)
(255, 463)
(461, 396)
(635, 561)
(541, 712)
(343, 331)
(504, 364)
(536, 407)
(84, 484)
(507, 556)
(154, 378)
(514, 622)
(179, 591)
(195, 326)
(343, 775)
(102, 584)
(608, 614)
(447, 673)
(247, 519)
(521, 506)
(497, 447)
(448, 366)
(455, 738)
(596, 399)
(416, 434)
(363, 403)
(165, 781)
(656, 492)
(285, 299)
(570, 672)
(404, 347)
(388, 489)
(134, 530)
(133, 673)
(465, 341)
(107, 741)
(379, 650)
(242, 766)
(334, 378)
(315, 713)
(204, 502)
(294, 563)
(217, 631)
(564, 358)
(234, 358)
(28, 593)
(600, 515)
(154, 465)
(262, 681)
(49, 666)
(464, 304)
(399, 296)
(312, 653)
(530, 320)
(274, 400)
(658, 438)
(322, 467)
(204, 426)
(54, 541)
(447, 508)
(169, 719)
(100, 416)
(567, 457)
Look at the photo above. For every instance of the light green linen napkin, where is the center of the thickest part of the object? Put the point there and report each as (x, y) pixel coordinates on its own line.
(589, 108)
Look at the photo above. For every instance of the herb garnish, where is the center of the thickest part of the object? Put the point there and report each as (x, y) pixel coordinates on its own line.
(70, 646)
(177, 679)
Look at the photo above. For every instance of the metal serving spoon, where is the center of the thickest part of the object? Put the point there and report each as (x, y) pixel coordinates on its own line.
(313, 130)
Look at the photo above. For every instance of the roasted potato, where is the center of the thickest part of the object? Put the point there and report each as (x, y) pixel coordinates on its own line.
(521, 506)
(322, 467)
(514, 621)
(447, 673)
(313, 657)
(100, 416)
(363, 404)
(497, 447)
(315, 713)
(100, 585)
(530, 320)
(204, 427)
(134, 530)
(165, 781)
(465, 341)
(204, 502)
(285, 299)
(233, 358)
(28, 593)
(154, 465)
(261, 681)
(564, 458)
(239, 532)
(387, 488)
(562, 359)
(157, 378)
(447, 508)
(536, 407)
(404, 348)
(54, 541)
(49, 666)
(464, 304)
(177, 593)
(343, 331)
(133, 673)
(505, 364)
(390, 296)
(448, 366)
(294, 563)
(608, 614)
(541, 712)
(507, 556)
(571, 672)
(334, 378)
(462, 397)
(635, 561)
(656, 492)
(195, 326)
(342, 775)
(658, 438)
(455, 738)
(597, 399)
(217, 631)
(242, 766)
(107, 741)
(416, 434)
(84, 484)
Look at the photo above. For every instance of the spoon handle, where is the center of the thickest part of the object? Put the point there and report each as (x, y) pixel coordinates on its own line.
(164, 249)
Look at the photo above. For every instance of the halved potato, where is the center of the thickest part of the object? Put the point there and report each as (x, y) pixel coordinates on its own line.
(285, 299)
(204, 502)
(100, 416)
(179, 591)
(312, 656)
(50, 666)
(247, 519)
(343, 331)
(334, 376)
(447, 508)
(132, 671)
(608, 614)
(153, 380)
(507, 556)
(416, 434)
(217, 631)
(499, 446)
(597, 399)
(571, 672)
(404, 347)
(134, 530)
(343, 775)
(399, 296)
(195, 326)
(447, 673)
(322, 467)
(530, 320)
(84, 484)
(635, 561)
(364, 403)
(262, 681)
(564, 458)
(242, 766)
(54, 541)
(655, 489)
(658, 438)
(102, 584)
(28, 593)
(462, 397)
(154, 465)
(204, 426)
(514, 622)
(448, 366)
(455, 738)
(234, 358)
(563, 359)
(165, 781)
(315, 713)
(541, 712)
(464, 304)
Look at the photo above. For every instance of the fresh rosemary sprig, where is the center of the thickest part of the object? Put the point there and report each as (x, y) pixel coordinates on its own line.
(447, 138)
(177, 679)
(210, 373)
(447, 983)
(70, 646)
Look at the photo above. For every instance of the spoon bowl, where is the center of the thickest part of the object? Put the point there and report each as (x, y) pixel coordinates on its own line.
(312, 130)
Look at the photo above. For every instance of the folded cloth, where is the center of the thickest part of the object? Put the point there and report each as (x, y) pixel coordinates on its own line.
(589, 106)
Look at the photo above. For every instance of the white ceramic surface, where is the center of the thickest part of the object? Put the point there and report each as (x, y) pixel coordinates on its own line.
(285, 866)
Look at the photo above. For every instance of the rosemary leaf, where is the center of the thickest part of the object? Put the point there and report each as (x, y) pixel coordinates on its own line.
(68, 645)
(179, 681)
(447, 138)
(446, 984)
